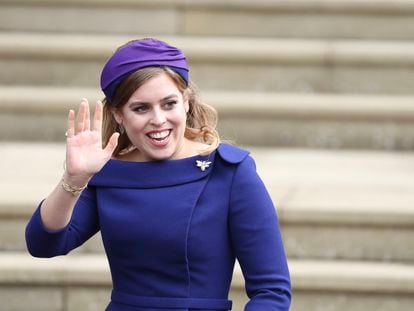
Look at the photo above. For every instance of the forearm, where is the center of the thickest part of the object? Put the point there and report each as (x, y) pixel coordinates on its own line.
(57, 209)
(62, 222)
(65, 207)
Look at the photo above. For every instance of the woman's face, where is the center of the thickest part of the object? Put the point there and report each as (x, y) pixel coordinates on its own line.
(154, 119)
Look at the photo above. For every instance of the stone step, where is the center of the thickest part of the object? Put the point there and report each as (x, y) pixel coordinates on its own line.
(82, 283)
(218, 63)
(331, 204)
(358, 19)
(354, 205)
(252, 118)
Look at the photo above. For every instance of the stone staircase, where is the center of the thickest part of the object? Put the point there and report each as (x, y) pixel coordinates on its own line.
(346, 217)
(333, 79)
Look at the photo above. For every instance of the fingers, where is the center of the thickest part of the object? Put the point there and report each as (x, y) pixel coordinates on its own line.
(80, 121)
(83, 119)
(71, 124)
(87, 123)
(112, 143)
(97, 121)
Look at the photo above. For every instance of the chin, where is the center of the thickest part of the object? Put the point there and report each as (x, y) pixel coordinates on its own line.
(159, 155)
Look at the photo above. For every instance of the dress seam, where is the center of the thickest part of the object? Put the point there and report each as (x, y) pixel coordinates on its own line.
(187, 235)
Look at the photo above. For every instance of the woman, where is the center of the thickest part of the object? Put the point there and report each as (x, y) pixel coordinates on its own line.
(174, 206)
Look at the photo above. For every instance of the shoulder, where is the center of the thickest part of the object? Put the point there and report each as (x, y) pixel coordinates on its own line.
(232, 154)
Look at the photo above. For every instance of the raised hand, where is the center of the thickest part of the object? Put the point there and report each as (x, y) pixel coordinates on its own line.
(85, 155)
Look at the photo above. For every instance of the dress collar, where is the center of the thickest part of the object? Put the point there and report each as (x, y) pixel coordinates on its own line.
(151, 174)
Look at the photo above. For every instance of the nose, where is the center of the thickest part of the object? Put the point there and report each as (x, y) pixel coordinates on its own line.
(158, 118)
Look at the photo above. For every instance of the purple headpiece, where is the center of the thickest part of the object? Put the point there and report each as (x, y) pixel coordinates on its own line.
(137, 55)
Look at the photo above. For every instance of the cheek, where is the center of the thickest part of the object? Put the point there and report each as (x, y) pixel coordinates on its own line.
(135, 124)
(183, 119)
(178, 116)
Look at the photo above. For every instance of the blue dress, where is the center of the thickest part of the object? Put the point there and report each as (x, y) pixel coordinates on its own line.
(172, 232)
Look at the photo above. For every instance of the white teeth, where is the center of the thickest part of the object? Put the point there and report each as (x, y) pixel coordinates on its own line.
(159, 135)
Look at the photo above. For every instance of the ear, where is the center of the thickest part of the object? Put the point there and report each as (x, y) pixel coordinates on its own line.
(117, 115)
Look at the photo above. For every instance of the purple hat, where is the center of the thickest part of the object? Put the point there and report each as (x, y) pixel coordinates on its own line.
(140, 54)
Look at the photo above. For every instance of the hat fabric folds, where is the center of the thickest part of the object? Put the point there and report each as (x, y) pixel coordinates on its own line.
(137, 55)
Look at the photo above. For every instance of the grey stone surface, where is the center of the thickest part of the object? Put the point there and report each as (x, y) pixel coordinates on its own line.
(342, 242)
(89, 19)
(87, 298)
(298, 24)
(39, 298)
(279, 119)
(273, 65)
(12, 234)
(309, 133)
(333, 301)
(301, 78)
(19, 268)
(51, 72)
(319, 133)
(303, 19)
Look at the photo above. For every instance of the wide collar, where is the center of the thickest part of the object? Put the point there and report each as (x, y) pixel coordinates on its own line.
(154, 174)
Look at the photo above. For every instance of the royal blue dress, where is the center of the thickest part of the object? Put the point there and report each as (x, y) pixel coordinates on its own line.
(172, 232)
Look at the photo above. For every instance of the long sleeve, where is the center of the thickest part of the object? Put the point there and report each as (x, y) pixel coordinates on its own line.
(83, 224)
(257, 242)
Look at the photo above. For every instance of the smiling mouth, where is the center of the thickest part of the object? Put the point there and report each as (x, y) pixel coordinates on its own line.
(159, 136)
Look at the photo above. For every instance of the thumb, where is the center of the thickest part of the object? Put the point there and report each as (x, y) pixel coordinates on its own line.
(112, 143)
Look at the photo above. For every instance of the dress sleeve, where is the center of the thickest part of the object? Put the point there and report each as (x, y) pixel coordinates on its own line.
(84, 223)
(257, 242)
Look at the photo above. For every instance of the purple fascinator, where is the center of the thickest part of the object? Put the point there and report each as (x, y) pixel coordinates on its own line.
(140, 54)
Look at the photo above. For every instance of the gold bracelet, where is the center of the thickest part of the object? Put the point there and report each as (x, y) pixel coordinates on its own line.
(73, 190)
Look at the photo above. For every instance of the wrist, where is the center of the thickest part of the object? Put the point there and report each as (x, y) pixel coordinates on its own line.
(76, 181)
(75, 191)
(74, 184)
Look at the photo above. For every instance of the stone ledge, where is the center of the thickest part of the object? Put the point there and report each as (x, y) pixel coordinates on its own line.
(217, 49)
(312, 186)
(372, 277)
(58, 100)
(352, 276)
(355, 6)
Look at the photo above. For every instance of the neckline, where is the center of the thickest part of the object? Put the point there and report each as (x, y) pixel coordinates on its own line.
(160, 161)
(152, 174)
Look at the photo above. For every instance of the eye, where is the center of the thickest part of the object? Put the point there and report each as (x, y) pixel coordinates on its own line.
(170, 104)
(140, 109)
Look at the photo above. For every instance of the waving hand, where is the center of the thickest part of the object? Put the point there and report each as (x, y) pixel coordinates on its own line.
(85, 154)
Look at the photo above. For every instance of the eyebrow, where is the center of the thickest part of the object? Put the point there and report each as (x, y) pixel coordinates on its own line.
(171, 96)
